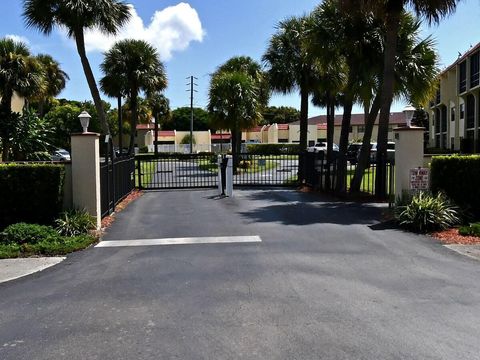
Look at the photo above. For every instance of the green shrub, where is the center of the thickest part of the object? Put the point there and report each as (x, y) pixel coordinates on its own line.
(457, 176)
(75, 222)
(273, 149)
(30, 193)
(23, 233)
(143, 150)
(426, 212)
(470, 230)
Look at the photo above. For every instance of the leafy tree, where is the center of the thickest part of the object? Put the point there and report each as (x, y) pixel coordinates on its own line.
(279, 115)
(138, 66)
(180, 120)
(186, 140)
(19, 73)
(76, 16)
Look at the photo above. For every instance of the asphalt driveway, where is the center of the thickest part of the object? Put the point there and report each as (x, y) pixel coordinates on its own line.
(326, 282)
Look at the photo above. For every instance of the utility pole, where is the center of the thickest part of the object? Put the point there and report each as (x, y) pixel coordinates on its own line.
(192, 91)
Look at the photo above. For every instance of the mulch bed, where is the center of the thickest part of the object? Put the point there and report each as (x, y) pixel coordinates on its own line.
(108, 220)
(451, 236)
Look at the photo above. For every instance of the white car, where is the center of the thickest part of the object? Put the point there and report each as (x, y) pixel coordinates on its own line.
(61, 155)
(390, 152)
(321, 146)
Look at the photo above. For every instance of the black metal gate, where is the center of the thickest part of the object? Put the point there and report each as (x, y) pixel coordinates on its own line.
(182, 171)
(116, 182)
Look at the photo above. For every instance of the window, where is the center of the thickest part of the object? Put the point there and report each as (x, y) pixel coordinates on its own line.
(462, 111)
(452, 114)
(361, 129)
(452, 144)
(444, 119)
(474, 70)
(470, 112)
(390, 128)
(350, 130)
(462, 81)
(437, 97)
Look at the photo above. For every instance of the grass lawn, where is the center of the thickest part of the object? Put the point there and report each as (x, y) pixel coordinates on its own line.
(49, 247)
(368, 181)
(148, 169)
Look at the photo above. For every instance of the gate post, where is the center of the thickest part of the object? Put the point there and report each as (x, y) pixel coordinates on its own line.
(408, 155)
(86, 174)
(229, 175)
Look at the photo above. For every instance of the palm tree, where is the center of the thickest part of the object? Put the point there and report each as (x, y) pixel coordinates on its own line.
(138, 66)
(291, 67)
(55, 80)
(160, 106)
(19, 73)
(416, 69)
(391, 11)
(234, 104)
(76, 16)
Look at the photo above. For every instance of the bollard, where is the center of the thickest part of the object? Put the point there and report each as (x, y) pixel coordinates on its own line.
(229, 176)
(220, 186)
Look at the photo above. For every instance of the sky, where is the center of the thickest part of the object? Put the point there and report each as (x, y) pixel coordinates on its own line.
(194, 37)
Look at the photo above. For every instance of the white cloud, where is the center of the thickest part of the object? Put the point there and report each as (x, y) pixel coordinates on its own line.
(18, 38)
(171, 29)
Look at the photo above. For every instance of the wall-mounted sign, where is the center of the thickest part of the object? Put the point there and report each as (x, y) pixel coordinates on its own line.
(419, 179)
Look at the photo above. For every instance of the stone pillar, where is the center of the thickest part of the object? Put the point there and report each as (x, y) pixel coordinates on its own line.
(408, 155)
(86, 174)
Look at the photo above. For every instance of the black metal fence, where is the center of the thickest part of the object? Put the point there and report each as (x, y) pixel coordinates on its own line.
(323, 176)
(116, 182)
(176, 171)
(181, 171)
(266, 170)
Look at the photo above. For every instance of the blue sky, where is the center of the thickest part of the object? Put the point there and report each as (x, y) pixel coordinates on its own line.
(195, 37)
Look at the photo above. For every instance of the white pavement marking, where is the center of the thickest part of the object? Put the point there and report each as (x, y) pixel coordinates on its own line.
(181, 241)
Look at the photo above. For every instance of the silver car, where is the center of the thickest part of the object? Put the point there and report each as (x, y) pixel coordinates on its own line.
(61, 155)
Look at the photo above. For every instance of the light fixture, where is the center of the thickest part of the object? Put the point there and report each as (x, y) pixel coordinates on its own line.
(84, 120)
(409, 111)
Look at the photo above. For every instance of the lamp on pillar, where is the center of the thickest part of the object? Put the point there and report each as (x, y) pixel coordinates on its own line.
(84, 120)
(409, 111)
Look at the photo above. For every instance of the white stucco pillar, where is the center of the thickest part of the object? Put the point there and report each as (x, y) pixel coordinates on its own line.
(408, 155)
(86, 174)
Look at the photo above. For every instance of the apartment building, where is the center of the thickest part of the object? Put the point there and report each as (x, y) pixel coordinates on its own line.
(454, 113)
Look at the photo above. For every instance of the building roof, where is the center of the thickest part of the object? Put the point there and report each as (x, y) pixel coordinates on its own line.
(396, 118)
(166, 133)
(256, 129)
(462, 57)
(224, 136)
(145, 126)
(283, 126)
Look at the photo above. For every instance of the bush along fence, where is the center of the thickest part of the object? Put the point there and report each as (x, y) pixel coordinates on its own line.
(30, 193)
(457, 176)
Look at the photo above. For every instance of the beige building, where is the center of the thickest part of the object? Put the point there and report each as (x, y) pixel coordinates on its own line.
(454, 113)
(18, 102)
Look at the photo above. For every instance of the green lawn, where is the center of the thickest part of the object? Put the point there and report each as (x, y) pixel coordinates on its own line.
(368, 181)
(148, 169)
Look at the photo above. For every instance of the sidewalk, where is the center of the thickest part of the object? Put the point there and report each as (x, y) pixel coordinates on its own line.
(11, 269)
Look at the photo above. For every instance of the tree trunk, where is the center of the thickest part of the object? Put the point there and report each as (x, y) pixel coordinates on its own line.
(364, 157)
(341, 186)
(6, 110)
(303, 131)
(120, 125)
(235, 153)
(80, 41)
(155, 141)
(392, 22)
(133, 121)
(330, 134)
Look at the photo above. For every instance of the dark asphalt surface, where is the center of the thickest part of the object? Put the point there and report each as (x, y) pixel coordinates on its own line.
(327, 282)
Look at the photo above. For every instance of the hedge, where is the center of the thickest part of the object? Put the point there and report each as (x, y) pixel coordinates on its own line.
(30, 193)
(273, 149)
(458, 177)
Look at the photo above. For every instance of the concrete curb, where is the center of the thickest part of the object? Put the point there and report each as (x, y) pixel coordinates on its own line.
(472, 251)
(11, 269)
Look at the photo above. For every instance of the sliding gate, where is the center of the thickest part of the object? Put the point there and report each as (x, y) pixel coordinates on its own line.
(187, 171)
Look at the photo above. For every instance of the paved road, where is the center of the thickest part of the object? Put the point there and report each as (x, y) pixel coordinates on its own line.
(325, 283)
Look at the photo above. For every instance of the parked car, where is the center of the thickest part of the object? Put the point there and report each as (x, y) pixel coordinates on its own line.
(61, 155)
(353, 151)
(390, 152)
(321, 146)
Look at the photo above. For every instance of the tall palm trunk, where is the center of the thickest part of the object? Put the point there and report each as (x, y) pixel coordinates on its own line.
(303, 130)
(6, 110)
(364, 157)
(80, 41)
(120, 124)
(330, 134)
(235, 152)
(391, 39)
(134, 120)
(341, 186)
